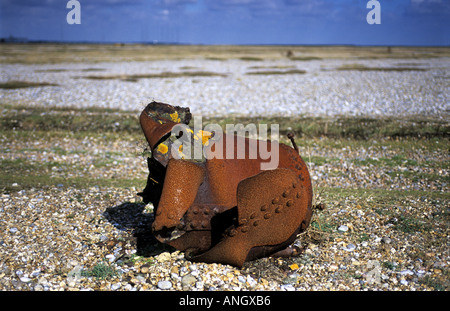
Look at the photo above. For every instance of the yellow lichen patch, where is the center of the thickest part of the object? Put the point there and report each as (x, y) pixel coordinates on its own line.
(180, 152)
(162, 148)
(293, 266)
(205, 137)
(174, 117)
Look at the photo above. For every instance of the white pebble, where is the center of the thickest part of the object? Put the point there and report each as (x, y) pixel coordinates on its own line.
(343, 228)
(164, 284)
(116, 286)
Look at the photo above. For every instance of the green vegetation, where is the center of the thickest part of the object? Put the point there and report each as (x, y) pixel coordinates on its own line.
(100, 271)
(48, 147)
(136, 77)
(23, 84)
(359, 67)
(277, 72)
(348, 127)
(93, 53)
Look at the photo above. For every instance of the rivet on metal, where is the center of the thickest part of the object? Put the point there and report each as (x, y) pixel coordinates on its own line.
(232, 232)
(278, 209)
(267, 216)
(264, 208)
(252, 216)
(244, 229)
(276, 200)
(289, 203)
(256, 223)
(286, 194)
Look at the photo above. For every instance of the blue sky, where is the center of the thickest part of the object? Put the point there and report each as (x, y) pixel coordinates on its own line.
(403, 22)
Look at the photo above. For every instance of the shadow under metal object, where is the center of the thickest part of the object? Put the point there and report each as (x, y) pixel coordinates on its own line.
(223, 210)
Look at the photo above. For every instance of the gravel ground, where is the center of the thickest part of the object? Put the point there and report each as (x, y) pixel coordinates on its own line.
(320, 91)
(362, 236)
(98, 238)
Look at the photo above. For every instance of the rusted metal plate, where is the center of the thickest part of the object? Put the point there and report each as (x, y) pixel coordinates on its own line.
(226, 210)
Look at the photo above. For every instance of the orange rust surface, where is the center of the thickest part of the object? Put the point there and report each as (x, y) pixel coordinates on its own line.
(225, 210)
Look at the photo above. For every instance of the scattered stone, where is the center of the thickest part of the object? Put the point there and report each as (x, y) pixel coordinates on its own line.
(188, 280)
(163, 257)
(115, 286)
(386, 240)
(343, 228)
(48, 231)
(164, 285)
(350, 247)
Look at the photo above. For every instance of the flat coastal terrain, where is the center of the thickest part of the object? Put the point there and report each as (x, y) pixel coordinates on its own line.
(372, 123)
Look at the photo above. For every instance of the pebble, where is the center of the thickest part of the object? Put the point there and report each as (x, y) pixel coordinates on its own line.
(386, 240)
(350, 247)
(115, 286)
(291, 279)
(188, 280)
(289, 288)
(343, 228)
(164, 285)
(144, 269)
(163, 257)
(49, 231)
(318, 92)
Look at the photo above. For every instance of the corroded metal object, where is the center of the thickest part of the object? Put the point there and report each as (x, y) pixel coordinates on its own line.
(223, 210)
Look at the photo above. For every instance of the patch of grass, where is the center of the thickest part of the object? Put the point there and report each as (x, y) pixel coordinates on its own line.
(13, 84)
(410, 225)
(21, 173)
(438, 285)
(67, 119)
(415, 177)
(7, 182)
(162, 75)
(108, 121)
(359, 128)
(359, 67)
(52, 70)
(251, 58)
(100, 271)
(394, 161)
(271, 67)
(277, 72)
(93, 69)
(95, 53)
(304, 58)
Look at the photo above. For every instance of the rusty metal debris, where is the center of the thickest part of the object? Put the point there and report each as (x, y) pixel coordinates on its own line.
(222, 210)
